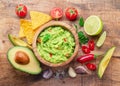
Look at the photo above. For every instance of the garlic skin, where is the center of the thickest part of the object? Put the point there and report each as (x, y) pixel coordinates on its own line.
(72, 72)
(60, 74)
(82, 70)
(47, 74)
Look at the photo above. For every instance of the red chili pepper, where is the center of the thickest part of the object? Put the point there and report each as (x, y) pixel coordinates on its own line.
(86, 58)
(65, 39)
(50, 54)
(91, 45)
(85, 49)
(91, 66)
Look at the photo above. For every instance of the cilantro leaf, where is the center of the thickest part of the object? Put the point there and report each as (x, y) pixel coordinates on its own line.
(46, 38)
(82, 38)
(81, 21)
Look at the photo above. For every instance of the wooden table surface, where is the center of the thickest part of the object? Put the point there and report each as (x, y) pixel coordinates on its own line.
(108, 10)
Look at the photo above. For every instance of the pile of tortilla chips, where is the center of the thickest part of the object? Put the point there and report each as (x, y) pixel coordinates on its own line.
(28, 28)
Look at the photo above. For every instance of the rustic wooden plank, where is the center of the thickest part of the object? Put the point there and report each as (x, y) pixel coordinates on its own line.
(108, 10)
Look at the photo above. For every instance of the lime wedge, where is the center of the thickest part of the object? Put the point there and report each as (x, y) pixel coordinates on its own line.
(93, 25)
(101, 39)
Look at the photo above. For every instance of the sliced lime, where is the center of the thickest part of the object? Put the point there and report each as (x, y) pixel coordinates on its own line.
(93, 25)
(101, 39)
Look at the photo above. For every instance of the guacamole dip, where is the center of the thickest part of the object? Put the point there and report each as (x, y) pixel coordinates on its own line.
(55, 44)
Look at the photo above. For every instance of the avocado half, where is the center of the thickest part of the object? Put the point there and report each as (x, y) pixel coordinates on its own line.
(33, 67)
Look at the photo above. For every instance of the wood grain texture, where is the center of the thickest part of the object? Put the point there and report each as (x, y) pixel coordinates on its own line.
(108, 10)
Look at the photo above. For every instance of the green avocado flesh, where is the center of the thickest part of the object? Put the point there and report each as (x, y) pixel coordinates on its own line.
(17, 42)
(56, 44)
(105, 61)
(33, 67)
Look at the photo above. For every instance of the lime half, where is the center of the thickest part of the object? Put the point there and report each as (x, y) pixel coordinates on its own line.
(93, 25)
(101, 39)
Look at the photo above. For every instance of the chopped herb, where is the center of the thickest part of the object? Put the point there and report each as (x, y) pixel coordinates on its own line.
(81, 21)
(76, 27)
(82, 38)
(46, 38)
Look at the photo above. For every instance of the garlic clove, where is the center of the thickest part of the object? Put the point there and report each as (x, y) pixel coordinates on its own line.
(72, 72)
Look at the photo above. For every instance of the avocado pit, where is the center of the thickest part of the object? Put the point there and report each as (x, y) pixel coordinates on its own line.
(21, 58)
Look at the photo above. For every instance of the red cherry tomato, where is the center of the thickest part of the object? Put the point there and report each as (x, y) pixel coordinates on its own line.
(91, 45)
(21, 10)
(91, 66)
(56, 13)
(85, 49)
(71, 13)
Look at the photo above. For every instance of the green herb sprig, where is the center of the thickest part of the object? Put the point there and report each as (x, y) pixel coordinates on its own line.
(46, 38)
(82, 38)
(81, 21)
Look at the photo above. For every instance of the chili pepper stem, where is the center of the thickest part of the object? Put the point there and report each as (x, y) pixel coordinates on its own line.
(96, 56)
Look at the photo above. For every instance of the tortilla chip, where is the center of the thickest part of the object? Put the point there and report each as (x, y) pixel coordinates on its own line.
(22, 26)
(29, 35)
(39, 18)
(21, 33)
(26, 30)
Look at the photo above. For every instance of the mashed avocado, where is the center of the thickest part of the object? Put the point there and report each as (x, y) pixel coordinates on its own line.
(55, 44)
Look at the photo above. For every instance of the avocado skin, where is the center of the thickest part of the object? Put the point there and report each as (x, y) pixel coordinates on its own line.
(9, 37)
(32, 73)
(21, 42)
(98, 73)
